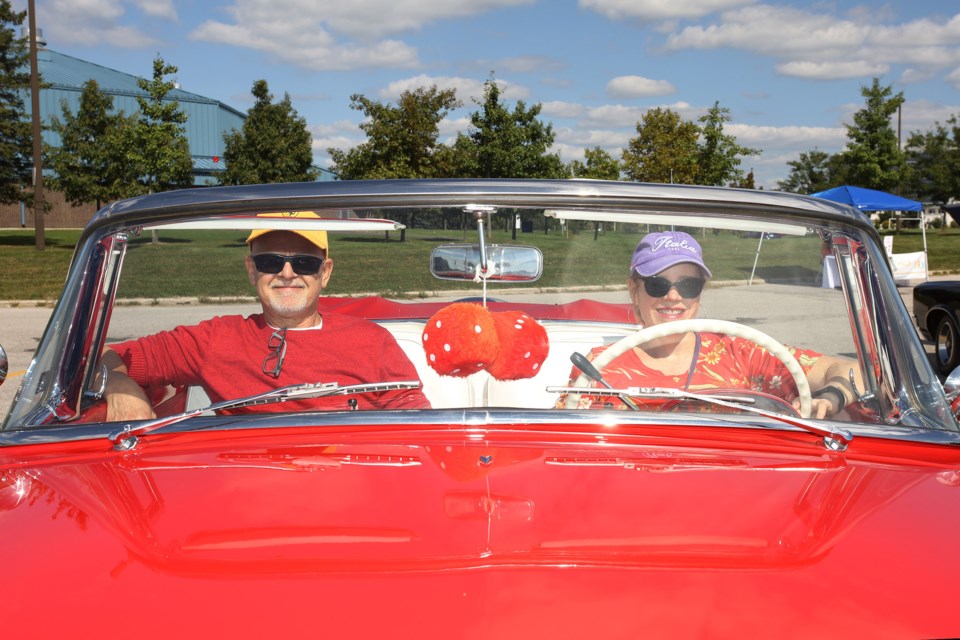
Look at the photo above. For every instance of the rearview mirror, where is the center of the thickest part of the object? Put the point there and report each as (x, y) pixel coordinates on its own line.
(506, 263)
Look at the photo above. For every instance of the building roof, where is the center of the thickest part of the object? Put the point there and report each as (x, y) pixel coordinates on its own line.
(208, 120)
(61, 71)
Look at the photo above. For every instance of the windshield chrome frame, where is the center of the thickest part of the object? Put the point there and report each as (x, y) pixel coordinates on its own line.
(64, 366)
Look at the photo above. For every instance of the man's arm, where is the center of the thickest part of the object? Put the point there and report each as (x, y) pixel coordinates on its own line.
(126, 400)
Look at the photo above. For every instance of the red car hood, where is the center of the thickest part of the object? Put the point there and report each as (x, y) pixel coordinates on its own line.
(482, 534)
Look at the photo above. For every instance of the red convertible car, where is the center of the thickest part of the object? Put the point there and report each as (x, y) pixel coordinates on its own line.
(516, 449)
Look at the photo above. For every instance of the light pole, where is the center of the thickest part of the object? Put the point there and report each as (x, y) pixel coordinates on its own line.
(37, 142)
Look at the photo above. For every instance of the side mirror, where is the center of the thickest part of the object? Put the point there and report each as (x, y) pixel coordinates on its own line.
(506, 263)
(4, 364)
(951, 388)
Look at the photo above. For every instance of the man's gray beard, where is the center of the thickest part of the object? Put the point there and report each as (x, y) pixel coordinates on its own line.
(287, 308)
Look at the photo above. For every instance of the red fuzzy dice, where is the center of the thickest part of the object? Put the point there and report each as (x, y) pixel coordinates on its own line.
(465, 338)
(523, 346)
(460, 339)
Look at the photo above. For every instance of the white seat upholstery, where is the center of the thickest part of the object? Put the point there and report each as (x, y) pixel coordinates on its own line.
(480, 389)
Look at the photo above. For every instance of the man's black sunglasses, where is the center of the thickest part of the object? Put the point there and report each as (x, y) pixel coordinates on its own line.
(658, 286)
(302, 265)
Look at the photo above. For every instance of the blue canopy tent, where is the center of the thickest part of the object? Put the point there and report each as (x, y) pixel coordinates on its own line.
(869, 199)
(873, 200)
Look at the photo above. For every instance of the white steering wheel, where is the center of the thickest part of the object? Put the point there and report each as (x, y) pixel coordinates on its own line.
(646, 334)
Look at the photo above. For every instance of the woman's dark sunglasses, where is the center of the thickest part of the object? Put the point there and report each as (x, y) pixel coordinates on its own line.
(658, 286)
(273, 263)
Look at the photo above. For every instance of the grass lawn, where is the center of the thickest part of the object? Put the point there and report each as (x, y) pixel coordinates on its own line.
(209, 264)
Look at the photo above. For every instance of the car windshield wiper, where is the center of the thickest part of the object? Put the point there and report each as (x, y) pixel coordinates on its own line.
(833, 438)
(126, 438)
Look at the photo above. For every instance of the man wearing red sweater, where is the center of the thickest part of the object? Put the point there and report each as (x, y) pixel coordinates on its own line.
(290, 342)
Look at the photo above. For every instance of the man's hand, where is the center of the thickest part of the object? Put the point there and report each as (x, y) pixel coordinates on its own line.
(125, 399)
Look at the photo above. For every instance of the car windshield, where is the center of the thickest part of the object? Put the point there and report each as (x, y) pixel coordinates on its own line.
(726, 313)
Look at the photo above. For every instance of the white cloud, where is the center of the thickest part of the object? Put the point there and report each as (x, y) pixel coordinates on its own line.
(560, 109)
(913, 76)
(158, 8)
(769, 137)
(333, 34)
(954, 78)
(820, 45)
(90, 22)
(529, 64)
(368, 18)
(612, 115)
(450, 127)
(832, 70)
(610, 140)
(920, 115)
(467, 88)
(342, 134)
(314, 50)
(658, 10)
(638, 87)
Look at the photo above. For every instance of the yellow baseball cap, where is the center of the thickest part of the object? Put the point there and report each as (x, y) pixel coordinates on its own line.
(317, 238)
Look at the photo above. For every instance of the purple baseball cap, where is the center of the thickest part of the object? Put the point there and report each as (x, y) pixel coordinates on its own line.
(662, 250)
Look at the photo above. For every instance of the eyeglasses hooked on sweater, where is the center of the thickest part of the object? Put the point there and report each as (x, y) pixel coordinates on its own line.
(273, 263)
(278, 350)
(658, 286)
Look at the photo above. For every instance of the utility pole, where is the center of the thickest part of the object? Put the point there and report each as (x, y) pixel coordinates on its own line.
(38, 208)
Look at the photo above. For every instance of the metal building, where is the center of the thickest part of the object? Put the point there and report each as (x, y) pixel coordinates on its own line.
(207, 119)
(64, 76)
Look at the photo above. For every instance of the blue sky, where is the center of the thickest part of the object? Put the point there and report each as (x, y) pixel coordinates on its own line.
(790, 72)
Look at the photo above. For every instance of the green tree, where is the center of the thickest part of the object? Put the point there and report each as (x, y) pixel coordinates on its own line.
(746, 182)
(718, 158)
(933, 163)
(157, 148)
(872, 156)
(402, 140)
(507, 144)
(16, 135)
(664, 149)
(811, 172)
(273, 145)
(89, 164)
(597, 164)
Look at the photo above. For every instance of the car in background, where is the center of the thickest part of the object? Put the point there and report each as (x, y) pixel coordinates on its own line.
(936, 307)
(510, 508)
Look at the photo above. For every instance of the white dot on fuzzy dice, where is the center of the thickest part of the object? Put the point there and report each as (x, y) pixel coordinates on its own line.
(477, 328)
(446, 348)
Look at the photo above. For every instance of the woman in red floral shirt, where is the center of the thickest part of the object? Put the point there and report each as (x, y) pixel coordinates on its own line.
(667, 276)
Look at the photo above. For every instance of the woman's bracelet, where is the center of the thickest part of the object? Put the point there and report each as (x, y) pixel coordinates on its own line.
(832, 388)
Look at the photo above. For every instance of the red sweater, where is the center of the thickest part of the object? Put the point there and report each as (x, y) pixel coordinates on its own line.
(224, 356)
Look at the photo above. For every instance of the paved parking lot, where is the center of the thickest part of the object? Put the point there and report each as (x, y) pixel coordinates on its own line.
(23, 326)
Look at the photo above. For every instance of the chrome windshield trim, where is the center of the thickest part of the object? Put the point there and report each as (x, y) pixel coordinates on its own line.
(601, 424)
(555, 194)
